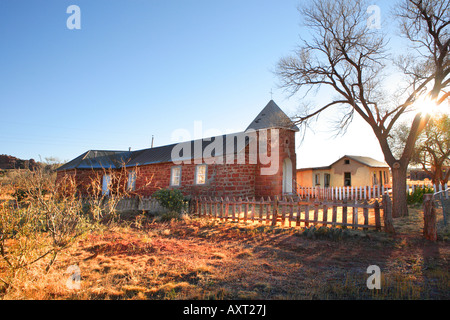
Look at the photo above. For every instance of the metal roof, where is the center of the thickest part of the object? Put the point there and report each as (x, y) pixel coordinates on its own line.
(272, 117)
(224, 145)
(98, 159)
(367, 161)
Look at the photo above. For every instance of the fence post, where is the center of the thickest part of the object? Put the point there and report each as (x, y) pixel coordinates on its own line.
(325, 215)
(316, 211)
(429, 218)
(291, 211)
(377, 216)
(307, 215)
(387, 214)
(355, 216)
(366, 214)
(283, 211)
(275, 211)
(268, 209)
(334, 215)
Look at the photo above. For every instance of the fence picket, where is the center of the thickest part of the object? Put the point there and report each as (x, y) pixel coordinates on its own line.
(366, 214)
(334, 215)
(325, 215)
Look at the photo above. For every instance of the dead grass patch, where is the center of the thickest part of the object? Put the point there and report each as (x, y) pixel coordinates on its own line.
(201, 259)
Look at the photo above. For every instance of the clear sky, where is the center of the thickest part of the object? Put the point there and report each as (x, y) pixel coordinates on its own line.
(138, 68)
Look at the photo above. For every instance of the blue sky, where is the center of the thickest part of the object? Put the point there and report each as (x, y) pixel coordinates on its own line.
(138, 68)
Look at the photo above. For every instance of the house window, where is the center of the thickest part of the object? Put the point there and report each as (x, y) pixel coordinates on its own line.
(346, 161)
(131, 184)
(327, 178)
(175, 177)
(347, 179)
(106, 184)
(317, 179)
(200, 174)
(375, 180)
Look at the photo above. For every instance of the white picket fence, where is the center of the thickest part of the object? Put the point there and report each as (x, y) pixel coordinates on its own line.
(358, 193)
(436, 189)
(341, 193)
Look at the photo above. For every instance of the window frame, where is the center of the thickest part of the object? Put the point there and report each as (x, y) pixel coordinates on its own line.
(326, 180)
(349, 179)
(317, 179)
(196, 174)
(172, 169)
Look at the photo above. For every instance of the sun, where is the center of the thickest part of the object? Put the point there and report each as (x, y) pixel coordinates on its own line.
(426, 105)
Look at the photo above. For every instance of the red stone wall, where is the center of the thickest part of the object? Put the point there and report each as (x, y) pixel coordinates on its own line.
(228, 180)
(272, 185)
(223, 180)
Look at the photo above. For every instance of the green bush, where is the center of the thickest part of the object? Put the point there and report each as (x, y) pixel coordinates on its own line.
(171, 199)
(417, 196)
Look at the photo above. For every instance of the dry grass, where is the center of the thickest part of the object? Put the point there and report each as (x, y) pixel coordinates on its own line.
(206, 259)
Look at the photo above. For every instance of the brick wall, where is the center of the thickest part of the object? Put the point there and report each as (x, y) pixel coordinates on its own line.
(271, 185)
(227, 180)
(223, 180)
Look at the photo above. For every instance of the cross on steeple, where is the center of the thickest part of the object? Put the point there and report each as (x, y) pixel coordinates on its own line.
(271, 94)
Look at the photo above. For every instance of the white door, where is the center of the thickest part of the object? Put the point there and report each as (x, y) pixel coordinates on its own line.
(105, 184)
(287, 176)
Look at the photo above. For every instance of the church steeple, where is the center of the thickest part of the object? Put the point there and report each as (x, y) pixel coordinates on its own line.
(272, 117)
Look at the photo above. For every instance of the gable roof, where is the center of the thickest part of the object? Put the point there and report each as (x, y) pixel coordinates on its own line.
(367, 161)
(230, 144)
(370, 162)
(272, 117)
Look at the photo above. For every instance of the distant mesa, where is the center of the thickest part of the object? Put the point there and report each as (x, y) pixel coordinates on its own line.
(10, 162)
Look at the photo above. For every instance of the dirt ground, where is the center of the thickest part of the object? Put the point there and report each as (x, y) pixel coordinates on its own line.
(206, 259)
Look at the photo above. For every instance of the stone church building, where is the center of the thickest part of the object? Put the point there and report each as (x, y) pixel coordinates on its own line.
(260, 161)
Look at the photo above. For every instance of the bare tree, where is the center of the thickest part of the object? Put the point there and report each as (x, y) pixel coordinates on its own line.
(348, 56)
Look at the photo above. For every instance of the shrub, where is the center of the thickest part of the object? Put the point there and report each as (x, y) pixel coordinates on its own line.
(417, 196)
(171, 199)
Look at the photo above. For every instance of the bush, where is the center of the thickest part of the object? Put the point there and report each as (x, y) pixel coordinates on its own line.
(417, 196)
(171, 199)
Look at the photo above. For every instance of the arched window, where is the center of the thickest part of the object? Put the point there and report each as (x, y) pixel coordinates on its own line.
(287, 176)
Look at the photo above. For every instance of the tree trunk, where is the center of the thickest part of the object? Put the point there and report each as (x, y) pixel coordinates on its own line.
(399, 199)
